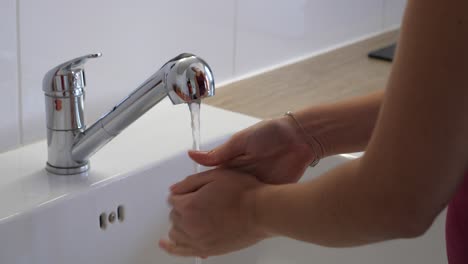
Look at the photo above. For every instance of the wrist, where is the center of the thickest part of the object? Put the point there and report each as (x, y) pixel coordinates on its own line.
(316, 130)
(306, 135)
(254, 202)
(295, 133)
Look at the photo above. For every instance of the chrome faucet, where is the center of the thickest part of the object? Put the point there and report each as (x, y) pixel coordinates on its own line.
(186, 78)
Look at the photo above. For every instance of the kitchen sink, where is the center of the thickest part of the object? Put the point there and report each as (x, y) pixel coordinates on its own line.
(118, 212)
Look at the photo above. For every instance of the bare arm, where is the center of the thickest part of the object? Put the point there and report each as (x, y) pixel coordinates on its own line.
(414, 160)
(342, 127)
(417, 153)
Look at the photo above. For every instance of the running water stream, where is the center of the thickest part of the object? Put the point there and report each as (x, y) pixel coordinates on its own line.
(194, 108)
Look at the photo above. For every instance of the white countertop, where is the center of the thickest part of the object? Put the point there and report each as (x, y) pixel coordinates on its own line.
(161, 133)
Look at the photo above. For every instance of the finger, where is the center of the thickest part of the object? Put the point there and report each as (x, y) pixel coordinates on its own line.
(234, 147)
(172, 200)
(239, 162)
(175, 217)
(178, 250)
(193, 182)
(179, 237)
(176, 200)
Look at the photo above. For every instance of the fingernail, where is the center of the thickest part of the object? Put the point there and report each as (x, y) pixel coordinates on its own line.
(172, 187)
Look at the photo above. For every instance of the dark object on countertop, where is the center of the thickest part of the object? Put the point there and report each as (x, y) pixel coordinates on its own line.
(385, 53)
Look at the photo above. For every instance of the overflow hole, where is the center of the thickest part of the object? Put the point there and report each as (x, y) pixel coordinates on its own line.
(120, 213)
(103, 221)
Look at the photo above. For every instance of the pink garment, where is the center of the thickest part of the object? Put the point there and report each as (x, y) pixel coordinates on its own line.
(456, 229)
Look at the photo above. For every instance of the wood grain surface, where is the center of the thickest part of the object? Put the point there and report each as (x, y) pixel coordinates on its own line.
(329, 77)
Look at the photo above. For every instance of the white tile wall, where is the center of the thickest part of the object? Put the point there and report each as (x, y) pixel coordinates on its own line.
(9, 130)
(271, 32)
(393, 12)
(136, 37)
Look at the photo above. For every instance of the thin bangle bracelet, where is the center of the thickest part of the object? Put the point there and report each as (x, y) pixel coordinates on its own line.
(317, 157)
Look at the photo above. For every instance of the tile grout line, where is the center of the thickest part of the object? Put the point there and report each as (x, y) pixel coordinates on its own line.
(19, 75)
(234, 46)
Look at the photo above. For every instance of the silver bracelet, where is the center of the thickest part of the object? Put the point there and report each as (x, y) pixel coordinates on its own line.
(317, 156)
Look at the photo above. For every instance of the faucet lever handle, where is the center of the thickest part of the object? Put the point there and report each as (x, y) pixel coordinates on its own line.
(67, 77)
(76, 62)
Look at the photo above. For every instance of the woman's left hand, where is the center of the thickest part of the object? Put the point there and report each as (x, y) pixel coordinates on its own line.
(213, 214)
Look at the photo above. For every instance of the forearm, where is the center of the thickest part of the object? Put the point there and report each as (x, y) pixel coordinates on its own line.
(338, 209)
(415, 159)
(342, 127)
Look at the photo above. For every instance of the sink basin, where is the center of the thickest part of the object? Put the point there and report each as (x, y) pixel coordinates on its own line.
(75, 219)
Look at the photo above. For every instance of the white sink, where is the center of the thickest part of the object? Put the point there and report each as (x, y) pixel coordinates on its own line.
(56, 219)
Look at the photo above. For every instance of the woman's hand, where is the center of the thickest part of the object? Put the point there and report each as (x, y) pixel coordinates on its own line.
(275, 151)
(213, 214)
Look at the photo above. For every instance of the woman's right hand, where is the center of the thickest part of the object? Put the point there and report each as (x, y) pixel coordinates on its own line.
(275, 151)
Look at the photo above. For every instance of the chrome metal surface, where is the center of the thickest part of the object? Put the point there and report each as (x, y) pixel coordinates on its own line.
(185, 78)
(67, 171)
(67, 78)
(188, 79)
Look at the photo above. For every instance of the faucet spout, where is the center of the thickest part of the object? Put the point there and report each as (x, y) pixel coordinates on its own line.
(185, 78)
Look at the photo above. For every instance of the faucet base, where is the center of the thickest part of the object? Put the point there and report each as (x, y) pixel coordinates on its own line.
(67, 171)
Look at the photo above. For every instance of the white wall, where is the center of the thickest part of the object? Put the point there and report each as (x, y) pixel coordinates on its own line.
(236, 37)
(9, 116)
